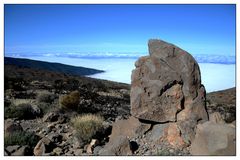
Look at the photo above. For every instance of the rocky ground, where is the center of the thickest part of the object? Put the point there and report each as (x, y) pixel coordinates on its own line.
(223, 102)
(55, 128)
(36, 124)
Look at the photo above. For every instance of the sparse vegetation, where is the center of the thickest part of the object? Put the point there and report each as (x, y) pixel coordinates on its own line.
(18, 84)
(21, 111)
(21, 138)
(70, 101)
(45, 107)
(46, 97)
(87, 126)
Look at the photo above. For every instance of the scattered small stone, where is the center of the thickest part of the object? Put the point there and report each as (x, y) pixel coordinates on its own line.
(45, 145)
(78, 152)
(91, 146)
(55, 137)
(6, 153)
(97, 149)
(57, 151)
(147, 153)
(12, 149)
(51, 117)
(22, 151)
(171, 150)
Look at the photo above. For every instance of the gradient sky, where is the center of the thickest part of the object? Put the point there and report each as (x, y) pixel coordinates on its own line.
(199, 29)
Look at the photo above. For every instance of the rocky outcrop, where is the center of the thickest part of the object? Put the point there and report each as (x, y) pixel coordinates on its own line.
(167, 100)
(166, 86)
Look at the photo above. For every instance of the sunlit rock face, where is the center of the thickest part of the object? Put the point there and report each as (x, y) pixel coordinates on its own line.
(166, 85)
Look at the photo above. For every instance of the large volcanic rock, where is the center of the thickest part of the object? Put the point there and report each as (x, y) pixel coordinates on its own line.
(166, 86)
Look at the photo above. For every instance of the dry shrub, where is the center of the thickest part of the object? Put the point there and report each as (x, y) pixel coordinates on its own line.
(87, 126)
(46, 97)
(70, 101)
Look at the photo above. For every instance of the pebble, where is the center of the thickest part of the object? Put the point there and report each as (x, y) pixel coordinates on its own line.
(78, 152)
(171, 150)
(148, 153)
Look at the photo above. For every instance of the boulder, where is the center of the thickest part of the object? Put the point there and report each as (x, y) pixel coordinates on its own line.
(214, 139)
(22, 151)
(39, 149)
(131, 127)
(119, 146)
(36, 111)
(166, 87)
(10, 126)
(166, 83)
(45, 145)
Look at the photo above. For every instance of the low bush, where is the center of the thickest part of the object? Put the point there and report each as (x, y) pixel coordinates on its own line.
(21, 138)
(21, 111)
(87, 126)
(46, 97)
(70, 101)
(45, 108)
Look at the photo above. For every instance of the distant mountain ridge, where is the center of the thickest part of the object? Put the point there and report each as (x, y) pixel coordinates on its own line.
(49, 66)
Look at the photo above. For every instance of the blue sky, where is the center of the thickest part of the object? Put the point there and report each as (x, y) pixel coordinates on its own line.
(199, 29)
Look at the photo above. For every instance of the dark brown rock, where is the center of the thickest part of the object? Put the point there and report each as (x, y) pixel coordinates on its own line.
(131, 127)
(165, 83)
(166, 87)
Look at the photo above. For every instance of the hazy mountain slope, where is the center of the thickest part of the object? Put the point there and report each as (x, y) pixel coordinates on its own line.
(54, 67)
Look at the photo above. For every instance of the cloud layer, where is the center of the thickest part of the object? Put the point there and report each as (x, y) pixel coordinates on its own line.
(203, 58)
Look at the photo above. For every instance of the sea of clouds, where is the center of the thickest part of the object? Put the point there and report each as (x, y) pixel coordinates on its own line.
(217, 71)
(201, 58)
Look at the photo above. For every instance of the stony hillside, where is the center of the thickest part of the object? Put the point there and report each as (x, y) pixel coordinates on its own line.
(49, 113)
(47, 66)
